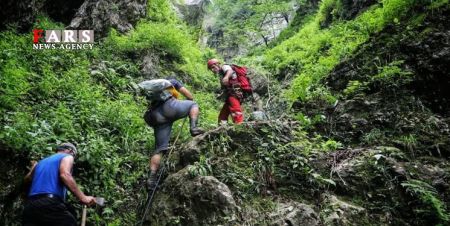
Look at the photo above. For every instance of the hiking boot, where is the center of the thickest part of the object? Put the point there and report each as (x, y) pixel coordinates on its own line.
(151, 181)
(195, 131)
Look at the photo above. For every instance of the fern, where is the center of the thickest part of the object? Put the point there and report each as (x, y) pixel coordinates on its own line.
(428, 196)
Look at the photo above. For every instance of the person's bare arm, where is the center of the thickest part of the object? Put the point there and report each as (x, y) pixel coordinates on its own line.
(227, 77)
(29, 177)
(186, 93)
(28, 180)
(65, 174)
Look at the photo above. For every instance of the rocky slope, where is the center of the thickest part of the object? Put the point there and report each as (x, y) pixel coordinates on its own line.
(366, 142)
(389, 165)
(235, 27)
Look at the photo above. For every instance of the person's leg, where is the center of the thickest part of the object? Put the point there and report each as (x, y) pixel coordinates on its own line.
(162, 137)
(177, 109)
(235, 109)
(154, 162)
(29, 216)
(224, 113)
(193, 119)
(49, 212)
(65, 216)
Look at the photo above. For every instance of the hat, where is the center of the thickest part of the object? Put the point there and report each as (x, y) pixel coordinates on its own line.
(212, 62)
(68, 146)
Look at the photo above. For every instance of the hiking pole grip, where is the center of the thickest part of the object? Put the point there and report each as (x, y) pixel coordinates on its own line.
(83, 217)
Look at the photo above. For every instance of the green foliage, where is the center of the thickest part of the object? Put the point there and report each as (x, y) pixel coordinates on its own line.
(428, 195)
(392, 76)
(200, 168)
(13, 80)
(241, 22)
(331, 145)
(438, 3)
(160, 11)
(323, 181)
(375, 136)
(277, 154)
(354, 87)
(44, 22)
(313, 52)
(51, 96)
(169, 40)
(409, 141)
(329, 11)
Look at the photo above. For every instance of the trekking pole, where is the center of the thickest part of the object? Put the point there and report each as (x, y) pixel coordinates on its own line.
(160, 173)
(83, 217)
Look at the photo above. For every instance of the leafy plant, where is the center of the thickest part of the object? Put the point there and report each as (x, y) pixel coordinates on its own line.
(410, 142)
(331, 145)
(429, 197)
(200, 168)
(354, 87)
(392, 76)
(375, 136)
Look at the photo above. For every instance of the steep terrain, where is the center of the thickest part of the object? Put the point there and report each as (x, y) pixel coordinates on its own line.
(86, 97)
(371, 145)
(356, 94)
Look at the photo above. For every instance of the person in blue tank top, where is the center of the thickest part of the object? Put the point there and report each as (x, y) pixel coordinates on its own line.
(50, 179)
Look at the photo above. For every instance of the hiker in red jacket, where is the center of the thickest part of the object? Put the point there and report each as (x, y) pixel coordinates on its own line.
(233, 92)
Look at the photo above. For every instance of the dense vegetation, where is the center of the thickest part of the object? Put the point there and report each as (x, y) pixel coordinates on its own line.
(86, 97)
(353, 116)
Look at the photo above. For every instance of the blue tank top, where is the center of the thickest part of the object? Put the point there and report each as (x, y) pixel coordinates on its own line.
(46, 177)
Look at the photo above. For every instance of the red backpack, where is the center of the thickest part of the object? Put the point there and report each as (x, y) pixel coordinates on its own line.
(242, 78)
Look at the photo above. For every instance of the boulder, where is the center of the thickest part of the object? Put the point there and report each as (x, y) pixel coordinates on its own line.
(338, 212)
(293, 213)
(187, 200)
(100, 15)
(191, 11)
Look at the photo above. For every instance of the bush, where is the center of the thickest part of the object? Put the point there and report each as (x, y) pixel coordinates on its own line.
(313, 52)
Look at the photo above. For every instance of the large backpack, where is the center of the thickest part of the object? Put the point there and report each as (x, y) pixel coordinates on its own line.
(242, 78)
(156, 89)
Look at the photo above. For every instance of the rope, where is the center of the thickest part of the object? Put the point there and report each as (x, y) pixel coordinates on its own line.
(160, 173)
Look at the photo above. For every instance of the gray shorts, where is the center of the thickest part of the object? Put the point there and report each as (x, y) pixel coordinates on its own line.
(162, 117)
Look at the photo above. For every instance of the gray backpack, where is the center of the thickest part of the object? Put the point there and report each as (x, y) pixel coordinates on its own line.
(155, 89)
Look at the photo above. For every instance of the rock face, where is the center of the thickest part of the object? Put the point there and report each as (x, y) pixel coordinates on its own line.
(191, 11)
(338, 212)
(290, 214)
(228, 45)
(349, 9)
(100, 15)
(184, 200)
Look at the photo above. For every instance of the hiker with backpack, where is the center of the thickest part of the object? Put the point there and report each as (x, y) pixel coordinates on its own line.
(164, 109)
(236, 85)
